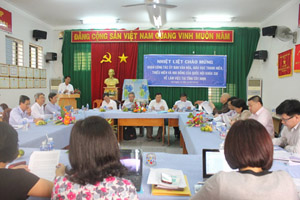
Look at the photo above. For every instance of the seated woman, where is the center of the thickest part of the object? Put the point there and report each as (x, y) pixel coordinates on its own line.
(248, 148)
(17, 183)
(96, 169)
(241, 109)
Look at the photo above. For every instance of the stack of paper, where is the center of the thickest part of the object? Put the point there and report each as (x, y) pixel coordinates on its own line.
(43, 163)
(177, 186)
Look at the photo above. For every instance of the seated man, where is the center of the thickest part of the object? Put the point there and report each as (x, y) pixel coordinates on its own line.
(223, 99)
(182, 104)
(108, 103)
(290, 134)
(231, 113)
(157, 104)
(37, 109)
(52, 107)
(261, 114)
(23, 111)
(130, 103)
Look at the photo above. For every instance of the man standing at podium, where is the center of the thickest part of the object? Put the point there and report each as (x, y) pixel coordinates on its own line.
(66, 87)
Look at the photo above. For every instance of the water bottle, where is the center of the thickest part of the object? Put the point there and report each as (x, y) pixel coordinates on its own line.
(147, 107)
(43, 146)
(50, 144)
(82, 107)
(120, 107)
(87, 106)
(54, 116)
(214, 125)
(194, 111)
(24, 123)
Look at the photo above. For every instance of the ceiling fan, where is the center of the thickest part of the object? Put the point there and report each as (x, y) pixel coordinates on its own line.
(154, 3)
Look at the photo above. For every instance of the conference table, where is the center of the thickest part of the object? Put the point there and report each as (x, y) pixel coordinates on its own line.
(191, 165)
(35, 135)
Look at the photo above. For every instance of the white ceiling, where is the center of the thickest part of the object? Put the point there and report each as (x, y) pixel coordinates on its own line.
(68, 13)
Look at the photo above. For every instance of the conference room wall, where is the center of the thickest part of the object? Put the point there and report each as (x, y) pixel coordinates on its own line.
(22, 26)
(276, 89)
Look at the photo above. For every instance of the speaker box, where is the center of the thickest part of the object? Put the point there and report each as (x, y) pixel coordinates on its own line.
(37, 34)
(261, 55)
(269, 31)
(51, 56)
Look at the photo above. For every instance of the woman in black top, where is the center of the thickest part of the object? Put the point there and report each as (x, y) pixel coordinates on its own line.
(17, 183)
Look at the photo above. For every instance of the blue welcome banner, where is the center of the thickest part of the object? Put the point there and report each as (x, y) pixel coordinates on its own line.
(185, 70)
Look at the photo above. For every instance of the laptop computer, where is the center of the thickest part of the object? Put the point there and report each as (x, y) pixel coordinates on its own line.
(132, 159)
(213, 161)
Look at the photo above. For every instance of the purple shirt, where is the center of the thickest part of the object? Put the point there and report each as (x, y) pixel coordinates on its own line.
(265, 118)
(17, 115)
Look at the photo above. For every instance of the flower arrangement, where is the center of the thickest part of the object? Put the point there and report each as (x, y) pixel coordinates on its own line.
(65, 118)
(199, 120)
(77, 91)
(196, 120)
(139, 109)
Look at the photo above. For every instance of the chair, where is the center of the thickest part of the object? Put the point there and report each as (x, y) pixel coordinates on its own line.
(97, 103)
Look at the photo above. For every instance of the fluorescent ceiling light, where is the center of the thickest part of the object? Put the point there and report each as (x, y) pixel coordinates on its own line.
(157, 21)
(100, 20)
(213, 18)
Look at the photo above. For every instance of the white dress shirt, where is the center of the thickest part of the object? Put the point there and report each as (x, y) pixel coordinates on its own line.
(265, 118)
(37, 111)
(183, 104)
(290, 139)
(157, 106)
(17, 115)
(62, 87)
(128, 104)
(111, 103)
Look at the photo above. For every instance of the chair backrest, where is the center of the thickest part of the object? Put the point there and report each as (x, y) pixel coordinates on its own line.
(97, 103)
(6, 115)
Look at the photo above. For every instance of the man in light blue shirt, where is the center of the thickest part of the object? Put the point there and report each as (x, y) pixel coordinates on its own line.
(52, 107)
(22, 112)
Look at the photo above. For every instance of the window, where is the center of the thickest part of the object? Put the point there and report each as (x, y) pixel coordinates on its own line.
(35, 56)
(214, 94)
(82, 61)
(14, 51)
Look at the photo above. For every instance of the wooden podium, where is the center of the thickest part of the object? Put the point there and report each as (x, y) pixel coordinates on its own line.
(112, 91)
(68, 99)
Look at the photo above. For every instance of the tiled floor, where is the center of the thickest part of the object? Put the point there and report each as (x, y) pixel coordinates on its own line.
(154, 146)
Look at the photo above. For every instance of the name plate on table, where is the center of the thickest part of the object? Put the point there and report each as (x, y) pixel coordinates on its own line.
(22, 82)
(13, 83)
(13, 71)
(4, 82)
(29, 73)
(22, 72)
(4, 70)
(29, 83)
(36, 73)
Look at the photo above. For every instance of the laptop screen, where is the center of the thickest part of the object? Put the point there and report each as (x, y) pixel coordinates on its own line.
(213, 162)
(132, 160)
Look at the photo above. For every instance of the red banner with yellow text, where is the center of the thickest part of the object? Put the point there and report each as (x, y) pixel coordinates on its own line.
(297, 58)
(285, 61)
(223, 36)
(5, 20)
